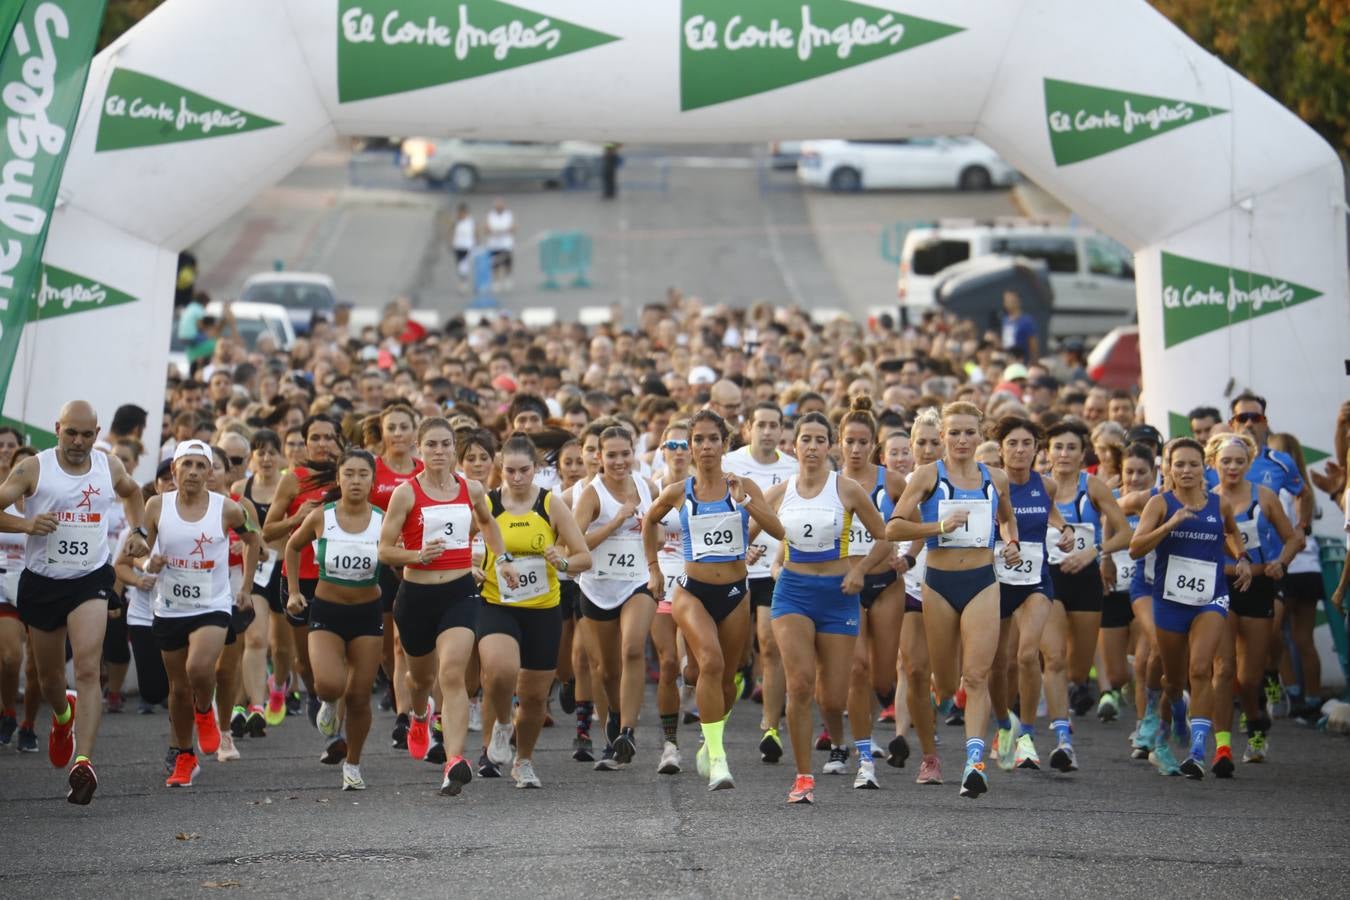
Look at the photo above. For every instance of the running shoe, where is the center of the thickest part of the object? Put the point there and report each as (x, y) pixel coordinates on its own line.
(28, 742)
(837, 764)
(1277, 702)
(1063, 759)
(582, 748)
(475, 714)
(275, 713)
(185, 770)
(327, 719)
(612, 728)
(1080, 699)
(1223, 766)
(956, 717)
(701, 760)
(335, 752)
(1026, 756)
(238, 721)
(83, 782)
(387, 699)
(227, 751)
(522, 770)
(607, 762)
(930, 770)
(145, 708)
(295, 704)
(1005, 744)
(691, 716)
(1147, 733)
(61, 742)
(973, 781)
(888, 715)
(8, 725)
(803, 790)
(312, 704)
(866, 779)
(436, 752)
(1161, 756)
(625, 745)
(499, 747)
(457, 774)
(1108, 708)
(351, 778)
(115, 702)
(1256, 748)
(823, 741)
(670, 759)
(1138, 749)
(486, 767)
(898, 751)
(719, 776)
(398, 738)
(255, 725)
(877, 752)
(419, 733)
(770, 746)
(208, 731)
(567, 696)
(1193, 768)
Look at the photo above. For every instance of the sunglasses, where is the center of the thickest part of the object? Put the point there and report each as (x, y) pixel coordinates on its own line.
(237, 461)
(1249, 418)
(677, 445)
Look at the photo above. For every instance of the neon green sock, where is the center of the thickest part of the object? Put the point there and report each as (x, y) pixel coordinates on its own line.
(1223, 739)
(81, 758)
(712, 736)
(64, 717)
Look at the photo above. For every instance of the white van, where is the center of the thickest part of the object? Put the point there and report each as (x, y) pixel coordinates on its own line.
(1091, 275)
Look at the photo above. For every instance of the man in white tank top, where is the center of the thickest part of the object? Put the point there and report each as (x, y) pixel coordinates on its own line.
(67, 581)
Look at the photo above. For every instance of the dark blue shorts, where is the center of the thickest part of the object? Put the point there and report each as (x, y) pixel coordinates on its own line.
(820, 598)
(1177, 617)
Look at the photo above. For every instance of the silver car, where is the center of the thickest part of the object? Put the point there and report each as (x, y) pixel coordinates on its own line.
(463, 164)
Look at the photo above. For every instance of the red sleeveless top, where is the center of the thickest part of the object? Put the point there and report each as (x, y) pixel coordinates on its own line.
(450, 520)
(386, 479)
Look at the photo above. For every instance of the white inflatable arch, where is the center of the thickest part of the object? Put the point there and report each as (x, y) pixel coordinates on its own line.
(1234, 208)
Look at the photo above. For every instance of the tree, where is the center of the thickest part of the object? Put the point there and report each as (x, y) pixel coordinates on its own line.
(121, 15)
(1298, 51)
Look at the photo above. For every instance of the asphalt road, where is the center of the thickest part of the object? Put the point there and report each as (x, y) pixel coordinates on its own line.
(711, 219)
(275, 822)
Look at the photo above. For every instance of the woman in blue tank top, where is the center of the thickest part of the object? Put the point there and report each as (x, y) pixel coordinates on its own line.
(1189, 530)
(710, 603)
(954, 504)
(1242, 651)
(1070, 638)
(1024, 592)
(1139, 479)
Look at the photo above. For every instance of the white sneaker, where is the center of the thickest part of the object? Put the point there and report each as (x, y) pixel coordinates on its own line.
(701, 760)
(327, 719)
(523, 773)
(227, 751)
(475, 714)
(670, 760)
(719, 776)
(351, 778)
(499, 749)
(866, 779)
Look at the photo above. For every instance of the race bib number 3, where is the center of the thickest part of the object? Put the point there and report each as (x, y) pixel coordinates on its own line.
(620, 558)
(532, 581)
(975, 531)
(1083, 534)
(1028, 568)
(716, 534)
(450, 522)
(1189, 581)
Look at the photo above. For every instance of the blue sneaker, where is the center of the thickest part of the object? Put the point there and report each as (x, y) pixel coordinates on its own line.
(1147, 733)
(1162, 757)
(973, 780)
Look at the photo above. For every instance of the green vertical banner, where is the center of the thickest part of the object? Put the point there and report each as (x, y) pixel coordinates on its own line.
(43, 68)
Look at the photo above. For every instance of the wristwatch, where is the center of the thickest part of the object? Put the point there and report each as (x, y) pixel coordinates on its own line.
(505, 558)
(140, 529)
(910, 561)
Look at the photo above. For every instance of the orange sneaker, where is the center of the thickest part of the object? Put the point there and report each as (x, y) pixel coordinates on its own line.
(185, 769)
(419, 733)
(1223, 765)
(61, 742)
(803, 790)
(208, 731)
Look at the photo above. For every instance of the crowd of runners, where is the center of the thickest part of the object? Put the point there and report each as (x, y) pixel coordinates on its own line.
(452, 538)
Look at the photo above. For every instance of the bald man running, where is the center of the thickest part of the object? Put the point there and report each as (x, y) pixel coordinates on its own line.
(67, 579)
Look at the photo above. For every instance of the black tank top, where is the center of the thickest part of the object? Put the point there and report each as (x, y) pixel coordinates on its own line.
(258, 504)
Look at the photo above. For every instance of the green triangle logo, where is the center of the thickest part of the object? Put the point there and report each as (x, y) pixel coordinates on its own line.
(1200, 297)
(141, 110)
(1087, 121)
(1178, 426)
(737, 48)
(391, 46)
(62, 293)
(38, 438)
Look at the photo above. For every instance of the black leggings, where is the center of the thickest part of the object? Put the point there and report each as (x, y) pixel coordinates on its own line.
(115, 649)
(150, 674)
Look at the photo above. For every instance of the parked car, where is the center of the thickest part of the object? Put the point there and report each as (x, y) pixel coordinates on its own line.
(252, 320)
(303, 294)
(941, 163)
(463, 164)
(1114, 362)
(785, 154)
(1091, 275)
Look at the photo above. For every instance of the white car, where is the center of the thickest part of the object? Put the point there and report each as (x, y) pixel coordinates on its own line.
(303, 294)
(462, 164)
(940, 163)
(1091, 275)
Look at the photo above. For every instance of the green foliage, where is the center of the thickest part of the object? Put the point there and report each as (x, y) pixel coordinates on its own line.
(121, 15)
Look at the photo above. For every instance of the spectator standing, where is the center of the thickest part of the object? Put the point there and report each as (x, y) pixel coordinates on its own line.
(1020, 335)
(501, 242)
(463, 240)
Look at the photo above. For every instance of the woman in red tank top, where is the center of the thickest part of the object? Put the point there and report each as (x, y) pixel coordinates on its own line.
(428, 531)
(298, 494)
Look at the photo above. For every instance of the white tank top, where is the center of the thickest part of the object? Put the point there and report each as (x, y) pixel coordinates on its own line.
(140, 604)
(815, 528)
(13, 548)
(346, 557)
(569, 497)
(670, 555)
(741, 462)
(196, 575)
(619, 565)
(83, 506)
